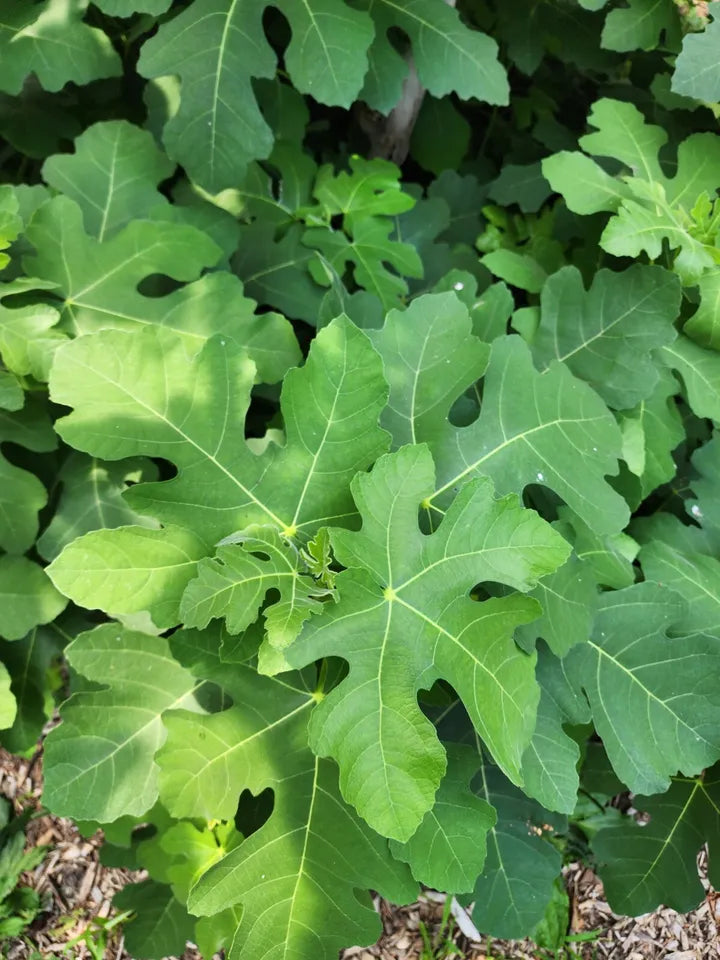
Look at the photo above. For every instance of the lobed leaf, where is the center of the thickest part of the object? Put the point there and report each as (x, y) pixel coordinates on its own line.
(405, 617)
(290, 863)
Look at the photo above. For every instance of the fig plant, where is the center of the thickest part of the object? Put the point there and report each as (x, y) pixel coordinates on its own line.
(359, 383)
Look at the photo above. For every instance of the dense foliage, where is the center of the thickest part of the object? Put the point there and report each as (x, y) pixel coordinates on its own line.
(364, 517)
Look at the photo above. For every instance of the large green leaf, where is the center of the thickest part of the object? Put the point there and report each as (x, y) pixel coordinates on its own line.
(567, 597)
(693, 575)
(113, 175)
(275, 272)
(640, 26)
(654, 700)
(606, 335)
(28, 661)
(100, 281)
(299, 488)
(549, 428)
(430, 358)
(405, 617)
(531, 426)
(700, 372)
(642, 865)
(217, 46)
(100, 760)
(550, 762)
(297, 877)
(50, 40)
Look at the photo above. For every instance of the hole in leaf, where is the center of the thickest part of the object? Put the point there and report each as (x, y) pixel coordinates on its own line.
(158, 285)
(212, 698)
(253, 811)
(465, 409)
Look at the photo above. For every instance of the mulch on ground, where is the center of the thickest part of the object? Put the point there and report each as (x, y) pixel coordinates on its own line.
(77, 892)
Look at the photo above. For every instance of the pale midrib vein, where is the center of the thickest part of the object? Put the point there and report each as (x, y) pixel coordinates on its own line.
(216, 87)
(139, 254)
(234, 584)
(303, 856)
(381, 708)
(461, 556)
(318, 31)
(110, 188)
(428, 25)
(185, 334)
(683, 575)
(494, 828)
(416, 377)
(94, 471)
(329, 421)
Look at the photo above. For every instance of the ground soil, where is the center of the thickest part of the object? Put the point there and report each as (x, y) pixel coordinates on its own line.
(77, 891)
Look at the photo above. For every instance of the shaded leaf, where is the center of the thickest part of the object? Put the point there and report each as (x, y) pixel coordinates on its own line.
(92, 499)
(50, 40)
(606, 335)
(512, 892)
(449, 57)
(653, 699)
(430, 357)
(216, 48)
(447, 851)
(27, 597)
(697, 70)
(642, 865)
